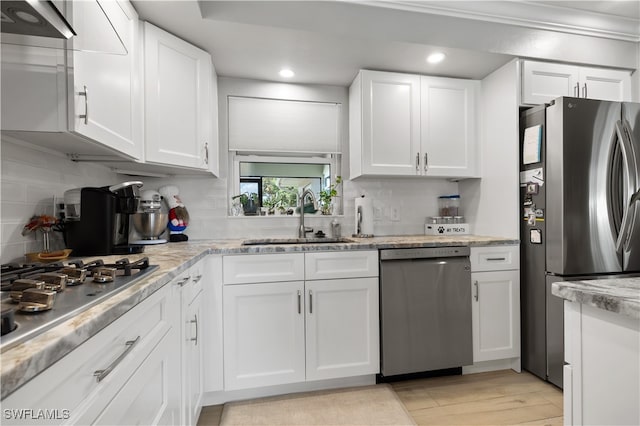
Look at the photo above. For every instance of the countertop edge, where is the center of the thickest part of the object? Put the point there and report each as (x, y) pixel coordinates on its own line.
(620, 296)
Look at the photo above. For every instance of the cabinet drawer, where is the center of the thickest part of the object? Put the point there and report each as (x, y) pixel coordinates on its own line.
(340, 264)
(71, 384)
(193, 287)
(495, 258)
(259, 268)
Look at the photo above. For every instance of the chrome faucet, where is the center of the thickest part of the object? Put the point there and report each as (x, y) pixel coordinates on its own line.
(304, 230)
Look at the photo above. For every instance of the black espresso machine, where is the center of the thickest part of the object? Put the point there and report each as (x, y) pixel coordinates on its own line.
(97, 219)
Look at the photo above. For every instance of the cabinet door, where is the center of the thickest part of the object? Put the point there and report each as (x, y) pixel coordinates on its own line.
(543, 81)
(177, 100)
(448, 126)
(605, 84)
(193, 332)
(145, 399)
(106, 101)
(213, 319)
(390, 123)
(342, 336)
(263, 334)
(496, 315)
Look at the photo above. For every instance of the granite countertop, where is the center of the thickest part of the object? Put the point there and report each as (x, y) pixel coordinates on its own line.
(24, 361)
(619, 295)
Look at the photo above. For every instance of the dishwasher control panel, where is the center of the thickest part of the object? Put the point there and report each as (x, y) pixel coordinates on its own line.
(424, 253)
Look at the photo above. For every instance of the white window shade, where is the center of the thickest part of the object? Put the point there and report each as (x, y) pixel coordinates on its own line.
(274, 125)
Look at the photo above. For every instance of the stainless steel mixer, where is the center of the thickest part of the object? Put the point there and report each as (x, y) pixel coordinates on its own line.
(150, 222)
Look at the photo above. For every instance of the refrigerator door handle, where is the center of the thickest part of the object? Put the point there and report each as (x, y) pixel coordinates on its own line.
(628, 216)
(631, 212)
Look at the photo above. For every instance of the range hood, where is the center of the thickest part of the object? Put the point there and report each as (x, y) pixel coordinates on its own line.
(35, 18)
(50, 24)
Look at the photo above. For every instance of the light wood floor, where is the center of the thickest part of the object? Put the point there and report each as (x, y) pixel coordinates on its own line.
(495, 398)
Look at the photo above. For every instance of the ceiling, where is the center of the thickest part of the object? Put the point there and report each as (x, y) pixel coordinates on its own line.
(326, 42)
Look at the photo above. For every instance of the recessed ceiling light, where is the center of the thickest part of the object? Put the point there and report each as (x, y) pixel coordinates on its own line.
(286, 73)
(436, 57)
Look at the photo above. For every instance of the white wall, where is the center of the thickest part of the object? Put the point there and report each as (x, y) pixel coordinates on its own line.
(31, 178)
(491, 203)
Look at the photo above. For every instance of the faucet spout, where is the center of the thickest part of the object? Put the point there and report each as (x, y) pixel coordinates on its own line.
(304, 230)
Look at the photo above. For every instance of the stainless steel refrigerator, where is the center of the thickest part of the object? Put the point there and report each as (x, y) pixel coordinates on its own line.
(579, 196)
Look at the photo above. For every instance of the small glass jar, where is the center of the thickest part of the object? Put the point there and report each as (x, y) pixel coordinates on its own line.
(447, 219)
(449, 205)
(458, 219)
(434, 220)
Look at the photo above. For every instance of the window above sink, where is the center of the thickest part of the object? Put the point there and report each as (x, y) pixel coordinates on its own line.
(278, 181)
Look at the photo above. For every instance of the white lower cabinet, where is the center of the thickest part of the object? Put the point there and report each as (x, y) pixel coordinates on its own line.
(495, 315)
(342, 328)
(193, 328)
(146, 397)
(601, 375)
(495, 304)
(292, 331)
(212, 318)
(137, 358)
(264, 334)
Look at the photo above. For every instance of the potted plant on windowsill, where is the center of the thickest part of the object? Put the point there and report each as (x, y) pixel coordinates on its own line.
(250, 203)
(327, 195)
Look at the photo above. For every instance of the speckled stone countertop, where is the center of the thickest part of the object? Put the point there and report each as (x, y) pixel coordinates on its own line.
(21, 363)
(619, 295)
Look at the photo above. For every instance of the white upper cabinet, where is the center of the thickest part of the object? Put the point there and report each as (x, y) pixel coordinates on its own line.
(545, 81)
(448, 126)
(178, 102)
(106, 90)
(408, 125)
(77, 101)
(384, 128)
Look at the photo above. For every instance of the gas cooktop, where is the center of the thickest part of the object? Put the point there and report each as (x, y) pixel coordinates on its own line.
(36, 297)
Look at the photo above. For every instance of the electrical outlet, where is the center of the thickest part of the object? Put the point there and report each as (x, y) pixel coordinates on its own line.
(395, 214)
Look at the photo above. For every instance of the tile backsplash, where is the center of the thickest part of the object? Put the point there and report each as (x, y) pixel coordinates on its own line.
(206, 201)
(32, 178)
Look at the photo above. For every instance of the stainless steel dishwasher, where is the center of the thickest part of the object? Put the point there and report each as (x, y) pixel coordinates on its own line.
(425, 309)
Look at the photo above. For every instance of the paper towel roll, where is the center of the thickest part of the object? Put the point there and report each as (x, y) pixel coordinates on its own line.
(364, 216)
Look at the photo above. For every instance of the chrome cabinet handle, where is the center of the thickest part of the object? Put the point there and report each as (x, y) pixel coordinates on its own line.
(195, 321)
(206, 153)
(183, 281)
(85, 93)
(417, 162)
(310, 302)
(299, 302)
(197, 278)
(426, 162)
(496, 259)
(101, 374)
(475, 283)
(584, 91)
(576, 90)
